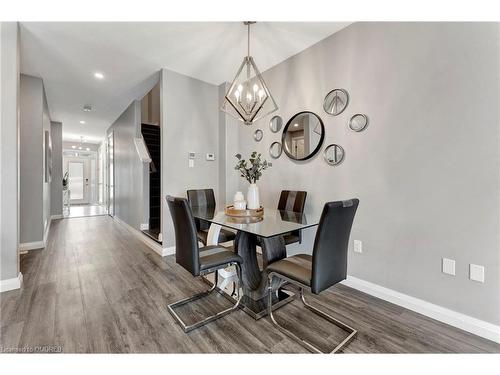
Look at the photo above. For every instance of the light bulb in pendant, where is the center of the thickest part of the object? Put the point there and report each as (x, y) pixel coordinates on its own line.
(261, 94)
(255, 88)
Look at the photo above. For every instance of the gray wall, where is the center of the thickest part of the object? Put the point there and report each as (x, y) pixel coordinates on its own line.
(229, 127)
(46, 185)
(31, 160)
(129, 169)
(189, 119)
(9, 157)
(56, 197)
(426, 170)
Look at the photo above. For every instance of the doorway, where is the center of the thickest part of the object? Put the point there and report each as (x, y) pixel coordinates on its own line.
(83, 183)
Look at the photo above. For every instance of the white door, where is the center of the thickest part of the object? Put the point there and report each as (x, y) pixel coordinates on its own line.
(78, 176)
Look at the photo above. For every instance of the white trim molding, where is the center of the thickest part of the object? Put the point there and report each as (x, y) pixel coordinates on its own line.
(155, 246)
(168, 251)
(467, 323)
(56, 217)
(26, 246)
(11, 284)
(46, 234)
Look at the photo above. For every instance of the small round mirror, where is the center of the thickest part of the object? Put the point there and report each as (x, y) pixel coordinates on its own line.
(258, 135)
(275, 124)
(303, 136)
(336, 101)
(275, 150)
(358, 122)
(334, 154)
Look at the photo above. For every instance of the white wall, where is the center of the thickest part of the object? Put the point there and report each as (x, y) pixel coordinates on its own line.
(426, 170)
(9, 151)
(189, 118)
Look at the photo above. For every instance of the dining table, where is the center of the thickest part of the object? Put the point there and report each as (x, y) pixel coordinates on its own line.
(266, 232)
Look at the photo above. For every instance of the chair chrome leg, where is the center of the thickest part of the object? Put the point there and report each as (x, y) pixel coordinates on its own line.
(306, 344)
(188, 328)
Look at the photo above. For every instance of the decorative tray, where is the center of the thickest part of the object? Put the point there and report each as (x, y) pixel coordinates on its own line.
(233, 212)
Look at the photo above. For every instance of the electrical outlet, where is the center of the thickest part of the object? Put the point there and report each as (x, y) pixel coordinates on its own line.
(448, 266)
(358, 246)
(476, 273)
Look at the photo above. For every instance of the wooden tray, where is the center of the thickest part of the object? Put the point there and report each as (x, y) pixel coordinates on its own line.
(231, 211)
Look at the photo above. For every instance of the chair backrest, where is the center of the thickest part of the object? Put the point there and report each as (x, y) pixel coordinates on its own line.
(291, 200)
(202, 198)
(329, 264)
(186, 241)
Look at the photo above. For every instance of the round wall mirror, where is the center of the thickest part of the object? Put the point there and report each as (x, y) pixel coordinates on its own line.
(258, 135)
(275, 124)
(336, 101)
(334, 154)
(303, 136)
(358, 122)
(275, 150)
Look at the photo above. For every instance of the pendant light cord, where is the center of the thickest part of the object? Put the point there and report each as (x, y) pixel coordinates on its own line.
(248, 41)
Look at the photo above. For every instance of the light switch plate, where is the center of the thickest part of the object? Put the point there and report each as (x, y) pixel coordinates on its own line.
(358, 246)
(476, 273)
(448, 266)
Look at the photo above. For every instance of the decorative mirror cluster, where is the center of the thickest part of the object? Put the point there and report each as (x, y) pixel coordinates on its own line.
(334, 154)
(358, 122)
(275, 124)
(257, 135)
(304, 133)
(336, 102)
(303, 136)
(275, 150)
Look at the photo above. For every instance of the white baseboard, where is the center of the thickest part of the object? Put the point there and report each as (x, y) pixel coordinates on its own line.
(453, 318)
(168, 251)
(155, 246)
(31, 245)
(11, 284)
(56, 217)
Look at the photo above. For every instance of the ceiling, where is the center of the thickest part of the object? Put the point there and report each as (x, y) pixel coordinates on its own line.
(129, 55)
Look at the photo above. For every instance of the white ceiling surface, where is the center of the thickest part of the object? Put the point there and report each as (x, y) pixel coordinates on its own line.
(66, 55)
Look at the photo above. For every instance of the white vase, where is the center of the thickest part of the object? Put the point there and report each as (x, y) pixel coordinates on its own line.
(253, 201)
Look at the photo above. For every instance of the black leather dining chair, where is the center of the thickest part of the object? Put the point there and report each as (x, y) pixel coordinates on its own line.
(326, 267)
(205, 198)
(294, 201)
(198, 261)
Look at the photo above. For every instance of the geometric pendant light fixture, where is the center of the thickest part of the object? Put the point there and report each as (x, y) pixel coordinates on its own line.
(248, 98)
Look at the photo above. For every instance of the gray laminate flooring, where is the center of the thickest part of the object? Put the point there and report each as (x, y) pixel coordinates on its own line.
(97, 289)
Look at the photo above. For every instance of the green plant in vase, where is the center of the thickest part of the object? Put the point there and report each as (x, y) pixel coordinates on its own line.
(251, 170)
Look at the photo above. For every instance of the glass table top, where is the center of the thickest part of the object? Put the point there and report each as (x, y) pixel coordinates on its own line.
(273, 223)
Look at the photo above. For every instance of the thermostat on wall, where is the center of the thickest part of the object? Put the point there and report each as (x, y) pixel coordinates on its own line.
(211, 157)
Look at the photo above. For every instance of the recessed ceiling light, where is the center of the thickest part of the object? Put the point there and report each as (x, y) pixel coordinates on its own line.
(99, 75)
(82, 122)
(80, 147)
(73, 146)
(88, 149)
(296, 125)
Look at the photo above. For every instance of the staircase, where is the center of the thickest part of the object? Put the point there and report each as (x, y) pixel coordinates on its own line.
(151, 135)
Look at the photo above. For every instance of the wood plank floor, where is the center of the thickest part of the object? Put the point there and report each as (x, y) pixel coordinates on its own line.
(97, 289)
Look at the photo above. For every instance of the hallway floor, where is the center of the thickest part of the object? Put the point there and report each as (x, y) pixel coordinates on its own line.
(96, 288)
(84, 210)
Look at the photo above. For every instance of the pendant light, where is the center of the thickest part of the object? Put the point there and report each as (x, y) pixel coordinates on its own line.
(248, 98)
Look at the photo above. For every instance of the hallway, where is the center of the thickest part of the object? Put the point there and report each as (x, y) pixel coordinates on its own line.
(96, 288)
